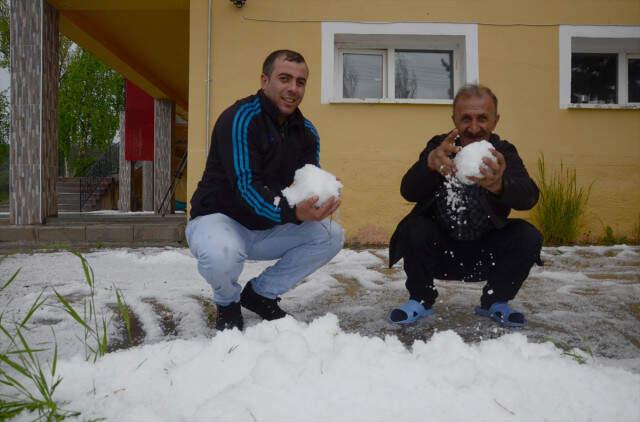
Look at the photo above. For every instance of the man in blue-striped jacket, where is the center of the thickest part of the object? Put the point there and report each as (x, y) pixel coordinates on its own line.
(238, 211)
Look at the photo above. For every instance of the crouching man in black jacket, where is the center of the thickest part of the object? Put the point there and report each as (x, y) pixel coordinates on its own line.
(238, 211)
(461, 232)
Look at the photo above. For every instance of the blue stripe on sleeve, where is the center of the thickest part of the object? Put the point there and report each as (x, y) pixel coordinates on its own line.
(268, 210)
(241, 122)
(314, 131)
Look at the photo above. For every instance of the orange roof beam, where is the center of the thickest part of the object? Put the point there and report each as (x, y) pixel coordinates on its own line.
(103, 5)
(117, 57)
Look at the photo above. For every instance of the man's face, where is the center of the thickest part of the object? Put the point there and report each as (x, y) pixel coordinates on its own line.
(475, 118)
(285, 86)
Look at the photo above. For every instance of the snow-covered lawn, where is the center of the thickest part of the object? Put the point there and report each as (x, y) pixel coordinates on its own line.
(340, 360)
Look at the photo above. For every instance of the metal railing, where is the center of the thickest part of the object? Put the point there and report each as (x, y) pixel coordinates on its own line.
(106, 166)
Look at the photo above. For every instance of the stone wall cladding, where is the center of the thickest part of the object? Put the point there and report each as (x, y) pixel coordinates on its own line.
(164, 134)
(34, 85)
(50, 110)
(124, 174)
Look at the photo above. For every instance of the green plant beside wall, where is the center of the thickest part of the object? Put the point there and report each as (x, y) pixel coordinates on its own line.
(635, 232)
(562, 205)
(610, 237)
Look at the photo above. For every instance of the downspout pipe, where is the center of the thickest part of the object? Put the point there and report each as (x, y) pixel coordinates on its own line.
(207, 135)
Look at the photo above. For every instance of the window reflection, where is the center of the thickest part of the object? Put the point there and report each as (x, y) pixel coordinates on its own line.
(424, 74)
(634, 80)
(362, 75)
(594, 78)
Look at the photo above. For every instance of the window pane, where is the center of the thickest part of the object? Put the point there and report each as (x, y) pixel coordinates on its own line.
(634, 80)
(424, 74)
(362, 75)
(594, 78)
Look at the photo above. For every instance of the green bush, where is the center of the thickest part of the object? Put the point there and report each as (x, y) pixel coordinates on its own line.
(635, 232)
(562, 205)
(611, 238)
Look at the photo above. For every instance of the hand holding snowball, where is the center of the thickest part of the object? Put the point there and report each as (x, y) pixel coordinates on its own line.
(478, 162)
(492, 172)
(307, 210)
(314, 192)
(439, 160)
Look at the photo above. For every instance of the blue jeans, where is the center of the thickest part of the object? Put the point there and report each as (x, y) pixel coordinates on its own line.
(221, 245)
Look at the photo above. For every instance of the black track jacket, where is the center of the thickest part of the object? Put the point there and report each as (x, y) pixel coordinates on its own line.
(251, 160)
(420, 184)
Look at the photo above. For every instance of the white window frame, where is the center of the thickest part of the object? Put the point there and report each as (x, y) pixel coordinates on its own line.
(343, 36)
(597, 39)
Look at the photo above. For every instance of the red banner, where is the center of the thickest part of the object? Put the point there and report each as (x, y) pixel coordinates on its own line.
(138, 124)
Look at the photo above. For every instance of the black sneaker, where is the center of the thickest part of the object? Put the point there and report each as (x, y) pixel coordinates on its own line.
(229, 317)
(267, 308)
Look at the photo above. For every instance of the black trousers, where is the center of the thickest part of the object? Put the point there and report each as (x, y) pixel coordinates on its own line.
(502, 257)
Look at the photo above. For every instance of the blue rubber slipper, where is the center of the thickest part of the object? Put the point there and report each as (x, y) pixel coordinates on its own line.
(409, 312)
(503, 314)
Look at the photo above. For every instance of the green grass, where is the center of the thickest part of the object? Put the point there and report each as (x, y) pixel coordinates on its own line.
(580, 355)
(562, 205)
(27, 384)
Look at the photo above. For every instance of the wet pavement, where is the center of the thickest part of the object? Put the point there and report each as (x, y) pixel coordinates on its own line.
(583, 297)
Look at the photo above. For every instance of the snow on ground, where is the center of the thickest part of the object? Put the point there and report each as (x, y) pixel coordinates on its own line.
(340, 360)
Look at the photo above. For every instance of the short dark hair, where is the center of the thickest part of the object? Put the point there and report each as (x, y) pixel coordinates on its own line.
(475, 90)
(289, 55)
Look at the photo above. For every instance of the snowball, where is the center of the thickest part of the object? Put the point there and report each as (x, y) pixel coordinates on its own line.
(312, 181)
(469, 160)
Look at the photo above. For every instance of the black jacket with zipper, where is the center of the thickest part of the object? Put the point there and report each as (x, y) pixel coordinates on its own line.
(420, 184)
(251, 160)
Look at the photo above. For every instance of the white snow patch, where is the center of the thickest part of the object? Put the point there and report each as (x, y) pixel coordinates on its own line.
(287, 370)
(469, 160)
(311, 181)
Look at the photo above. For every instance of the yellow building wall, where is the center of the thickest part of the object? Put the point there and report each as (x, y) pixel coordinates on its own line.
(370, 146)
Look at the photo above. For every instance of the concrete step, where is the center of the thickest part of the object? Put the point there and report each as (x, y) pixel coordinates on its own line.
(68, 195)
(95, 232)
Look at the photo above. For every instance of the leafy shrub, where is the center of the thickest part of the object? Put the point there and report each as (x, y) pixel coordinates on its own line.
(635, 232)
(610, 238)
(562, 205)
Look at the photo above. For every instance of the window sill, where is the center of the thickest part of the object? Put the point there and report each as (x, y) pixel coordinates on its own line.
(605, 106)
(388, 101)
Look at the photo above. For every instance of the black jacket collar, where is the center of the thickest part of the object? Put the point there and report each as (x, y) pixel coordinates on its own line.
(271, 110)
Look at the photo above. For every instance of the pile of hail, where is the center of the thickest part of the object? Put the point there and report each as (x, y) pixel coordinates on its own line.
(311, 181)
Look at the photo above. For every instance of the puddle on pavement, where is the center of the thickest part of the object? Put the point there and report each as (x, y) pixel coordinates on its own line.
(351, 285)
(385, 271)
(73, 297)
(586, 291)
(46, 321)
(615, 276)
